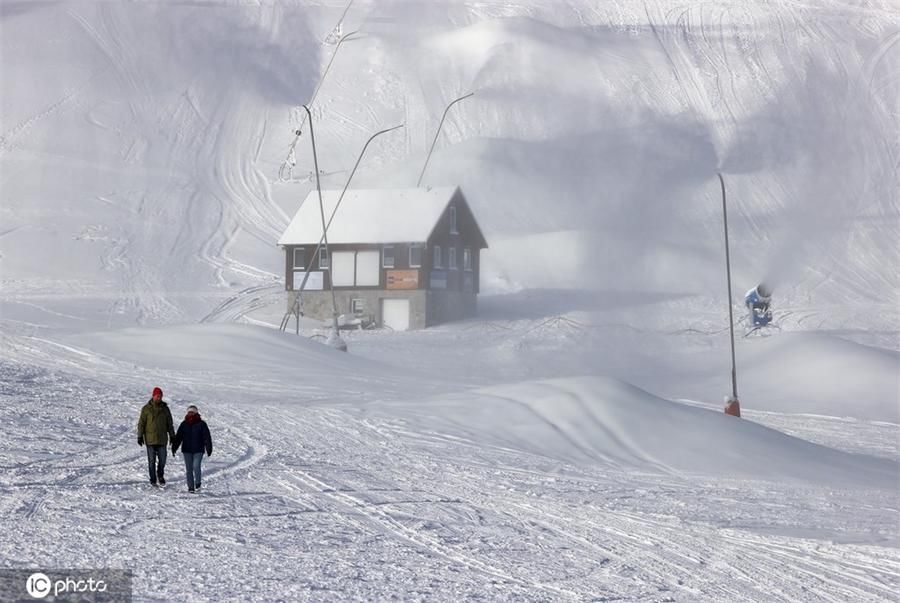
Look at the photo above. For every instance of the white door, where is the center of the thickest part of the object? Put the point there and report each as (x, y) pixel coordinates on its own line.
(395, 314)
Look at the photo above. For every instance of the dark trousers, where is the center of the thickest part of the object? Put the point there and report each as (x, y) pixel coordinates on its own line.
(192, 462)
(156, 462)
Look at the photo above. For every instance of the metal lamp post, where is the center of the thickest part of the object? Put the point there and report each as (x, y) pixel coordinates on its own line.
(436, 134)
(733, 406)
(334, 339)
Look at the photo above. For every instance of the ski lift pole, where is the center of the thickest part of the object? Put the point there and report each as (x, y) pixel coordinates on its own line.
(331, 217)
(734, 392)
(338, 204)
(436, 134)
(334, 313)
(356, 165)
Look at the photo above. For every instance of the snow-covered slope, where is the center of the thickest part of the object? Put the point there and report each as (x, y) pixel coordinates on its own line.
(600, 422)
(331, 474)
(141, 143)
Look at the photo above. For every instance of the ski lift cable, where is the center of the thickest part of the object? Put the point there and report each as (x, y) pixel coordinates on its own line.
(291, 159)
(337, 28)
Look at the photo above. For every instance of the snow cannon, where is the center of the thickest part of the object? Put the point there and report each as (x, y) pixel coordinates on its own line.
(732, 406)
(757, 301)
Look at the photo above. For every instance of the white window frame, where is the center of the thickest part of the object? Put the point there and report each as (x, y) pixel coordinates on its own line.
(357, 306)
(451, 258)
(421, 253)
(436, 257)
(323, 258)
(384, 251)
(302, 265)
(453, 226)
(467, 259)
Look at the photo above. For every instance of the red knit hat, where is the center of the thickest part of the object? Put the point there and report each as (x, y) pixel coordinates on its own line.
(156, 390)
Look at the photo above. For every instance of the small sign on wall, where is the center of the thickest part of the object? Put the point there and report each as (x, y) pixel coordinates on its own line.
(315, 282)
(402, 279)
(438, 279)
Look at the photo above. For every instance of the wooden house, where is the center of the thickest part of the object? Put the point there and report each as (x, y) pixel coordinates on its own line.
(402, 258)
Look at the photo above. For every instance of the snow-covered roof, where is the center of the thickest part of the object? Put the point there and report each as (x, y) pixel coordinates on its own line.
(369, 216)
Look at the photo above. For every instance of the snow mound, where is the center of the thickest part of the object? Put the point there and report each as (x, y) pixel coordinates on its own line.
(820, 374)
(213, 361)
(603, 421)
(216, 346)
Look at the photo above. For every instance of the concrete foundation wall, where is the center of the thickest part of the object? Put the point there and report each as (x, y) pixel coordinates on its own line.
(426, 308)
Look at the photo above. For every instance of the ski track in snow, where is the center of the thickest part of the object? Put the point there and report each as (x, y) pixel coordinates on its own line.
(434, 512)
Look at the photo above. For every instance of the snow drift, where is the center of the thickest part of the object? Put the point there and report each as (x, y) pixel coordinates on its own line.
(602, 421)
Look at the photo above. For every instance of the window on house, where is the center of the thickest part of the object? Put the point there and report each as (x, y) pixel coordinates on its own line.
(436, 258)
(357, 306)
(453, 229)
(323, 258)
(451, 258)
(387, 257)
(415, 256)
(299, 258)
(467, 259)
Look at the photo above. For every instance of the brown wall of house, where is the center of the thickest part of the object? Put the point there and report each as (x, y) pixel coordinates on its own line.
(289, 266)
(447, 306)
(467, 235)
(457, 279)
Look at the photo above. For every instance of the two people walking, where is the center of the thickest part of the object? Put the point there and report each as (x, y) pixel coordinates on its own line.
(154, 430)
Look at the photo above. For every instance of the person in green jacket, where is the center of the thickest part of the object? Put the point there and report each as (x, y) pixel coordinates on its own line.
(154, 430)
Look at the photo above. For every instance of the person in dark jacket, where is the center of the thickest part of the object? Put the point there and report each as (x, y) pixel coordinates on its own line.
(193, 437)
(154, 429)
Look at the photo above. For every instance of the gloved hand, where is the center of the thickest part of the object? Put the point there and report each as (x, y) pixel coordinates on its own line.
(140, 440)
(208, 453)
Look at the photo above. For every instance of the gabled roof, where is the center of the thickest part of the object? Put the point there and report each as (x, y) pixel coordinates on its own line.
(370, 216)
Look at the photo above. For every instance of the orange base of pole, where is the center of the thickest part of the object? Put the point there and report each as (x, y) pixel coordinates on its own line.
(733, 408)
